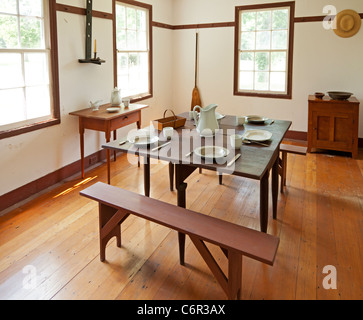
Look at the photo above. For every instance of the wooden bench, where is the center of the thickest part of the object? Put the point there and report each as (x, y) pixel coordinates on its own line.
(116, 204)
(285, 149)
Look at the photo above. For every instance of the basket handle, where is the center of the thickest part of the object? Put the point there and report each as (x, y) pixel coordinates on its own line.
(171, 111)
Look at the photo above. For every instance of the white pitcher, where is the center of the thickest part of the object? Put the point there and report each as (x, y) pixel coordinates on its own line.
(207, 123)
(116, 98)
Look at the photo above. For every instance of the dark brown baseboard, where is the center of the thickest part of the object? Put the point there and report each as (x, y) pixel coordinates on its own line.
(9, 199)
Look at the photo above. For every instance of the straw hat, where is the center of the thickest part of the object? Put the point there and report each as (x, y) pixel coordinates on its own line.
(348, 23)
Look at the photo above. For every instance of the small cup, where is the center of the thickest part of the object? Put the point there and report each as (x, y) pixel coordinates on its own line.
(236, 141)
(126, 102)
(168, 132)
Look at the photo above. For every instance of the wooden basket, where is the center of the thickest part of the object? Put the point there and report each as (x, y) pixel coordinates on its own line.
(174, 121)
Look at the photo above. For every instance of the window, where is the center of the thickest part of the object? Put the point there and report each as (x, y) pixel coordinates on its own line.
(134, 49)
(263, 53)
(26, 82)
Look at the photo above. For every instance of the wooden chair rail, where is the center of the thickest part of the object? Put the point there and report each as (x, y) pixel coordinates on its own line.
(116, 204)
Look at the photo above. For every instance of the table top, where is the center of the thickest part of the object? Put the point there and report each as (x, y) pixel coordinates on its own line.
(103, 114)
(327, 99)
(253, 163)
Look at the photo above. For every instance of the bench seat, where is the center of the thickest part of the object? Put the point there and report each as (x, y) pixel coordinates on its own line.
(117, 204)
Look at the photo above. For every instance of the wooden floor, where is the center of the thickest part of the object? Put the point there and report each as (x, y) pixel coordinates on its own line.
(49, 246)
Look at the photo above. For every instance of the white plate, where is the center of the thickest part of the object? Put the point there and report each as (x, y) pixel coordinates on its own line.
(257, 135)
(211, 152)
(143, 141)
(111, 110)
(256, 119)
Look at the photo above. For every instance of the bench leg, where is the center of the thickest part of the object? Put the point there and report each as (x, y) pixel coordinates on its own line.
(105, 215)
(234, 275)
(275, 186)
(264, 202)
(230, 285)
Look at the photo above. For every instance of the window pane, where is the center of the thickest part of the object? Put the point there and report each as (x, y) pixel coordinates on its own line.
(31, 36)
(248, 21)
(141, 20)
(262, 61)
(248, 41)
(280, 19)
(246, 61)
(141, 41)
(246, 81)
(279, 39)
(263, 40)
(122, 63)
(12, 106)
(134, 61)
(36, 70)
(8, 32)
(278, 81)
(261, 81)
(38, 102)
(121, 39)
(144, 73)
(131, 40)
(11, 74)
(263, 20)
(144, 62)
(121, 17)
(8, 6)
(131, 18)
(30, 7)
(278, 61)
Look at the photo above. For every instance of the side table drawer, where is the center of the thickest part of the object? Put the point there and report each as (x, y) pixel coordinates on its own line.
(125, 120)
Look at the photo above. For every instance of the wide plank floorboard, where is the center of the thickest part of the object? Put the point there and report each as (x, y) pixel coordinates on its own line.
(49, 246)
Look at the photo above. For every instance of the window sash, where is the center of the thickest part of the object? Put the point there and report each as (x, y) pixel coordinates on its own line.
(31, 118)
(271, 90)
(144, 90)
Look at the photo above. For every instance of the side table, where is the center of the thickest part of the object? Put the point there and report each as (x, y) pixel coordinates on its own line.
(102, 120)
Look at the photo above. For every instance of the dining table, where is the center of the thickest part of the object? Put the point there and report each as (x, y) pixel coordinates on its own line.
(255, 162)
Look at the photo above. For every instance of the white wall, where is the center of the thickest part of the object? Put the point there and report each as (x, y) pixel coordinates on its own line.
(322, 60)
(27, 157)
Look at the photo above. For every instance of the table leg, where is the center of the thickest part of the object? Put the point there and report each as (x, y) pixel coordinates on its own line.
(181, 173)
(264, 202)
(81, 135)
(275, 186)
(147, 176)
(138, 125)
(108, 152)
(114, 138)
(171, 175)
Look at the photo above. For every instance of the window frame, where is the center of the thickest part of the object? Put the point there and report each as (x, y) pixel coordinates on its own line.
(289, 71)
(148, 7)
(50, 18)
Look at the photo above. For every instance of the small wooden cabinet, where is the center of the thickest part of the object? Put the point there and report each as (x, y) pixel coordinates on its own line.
(333, 124)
